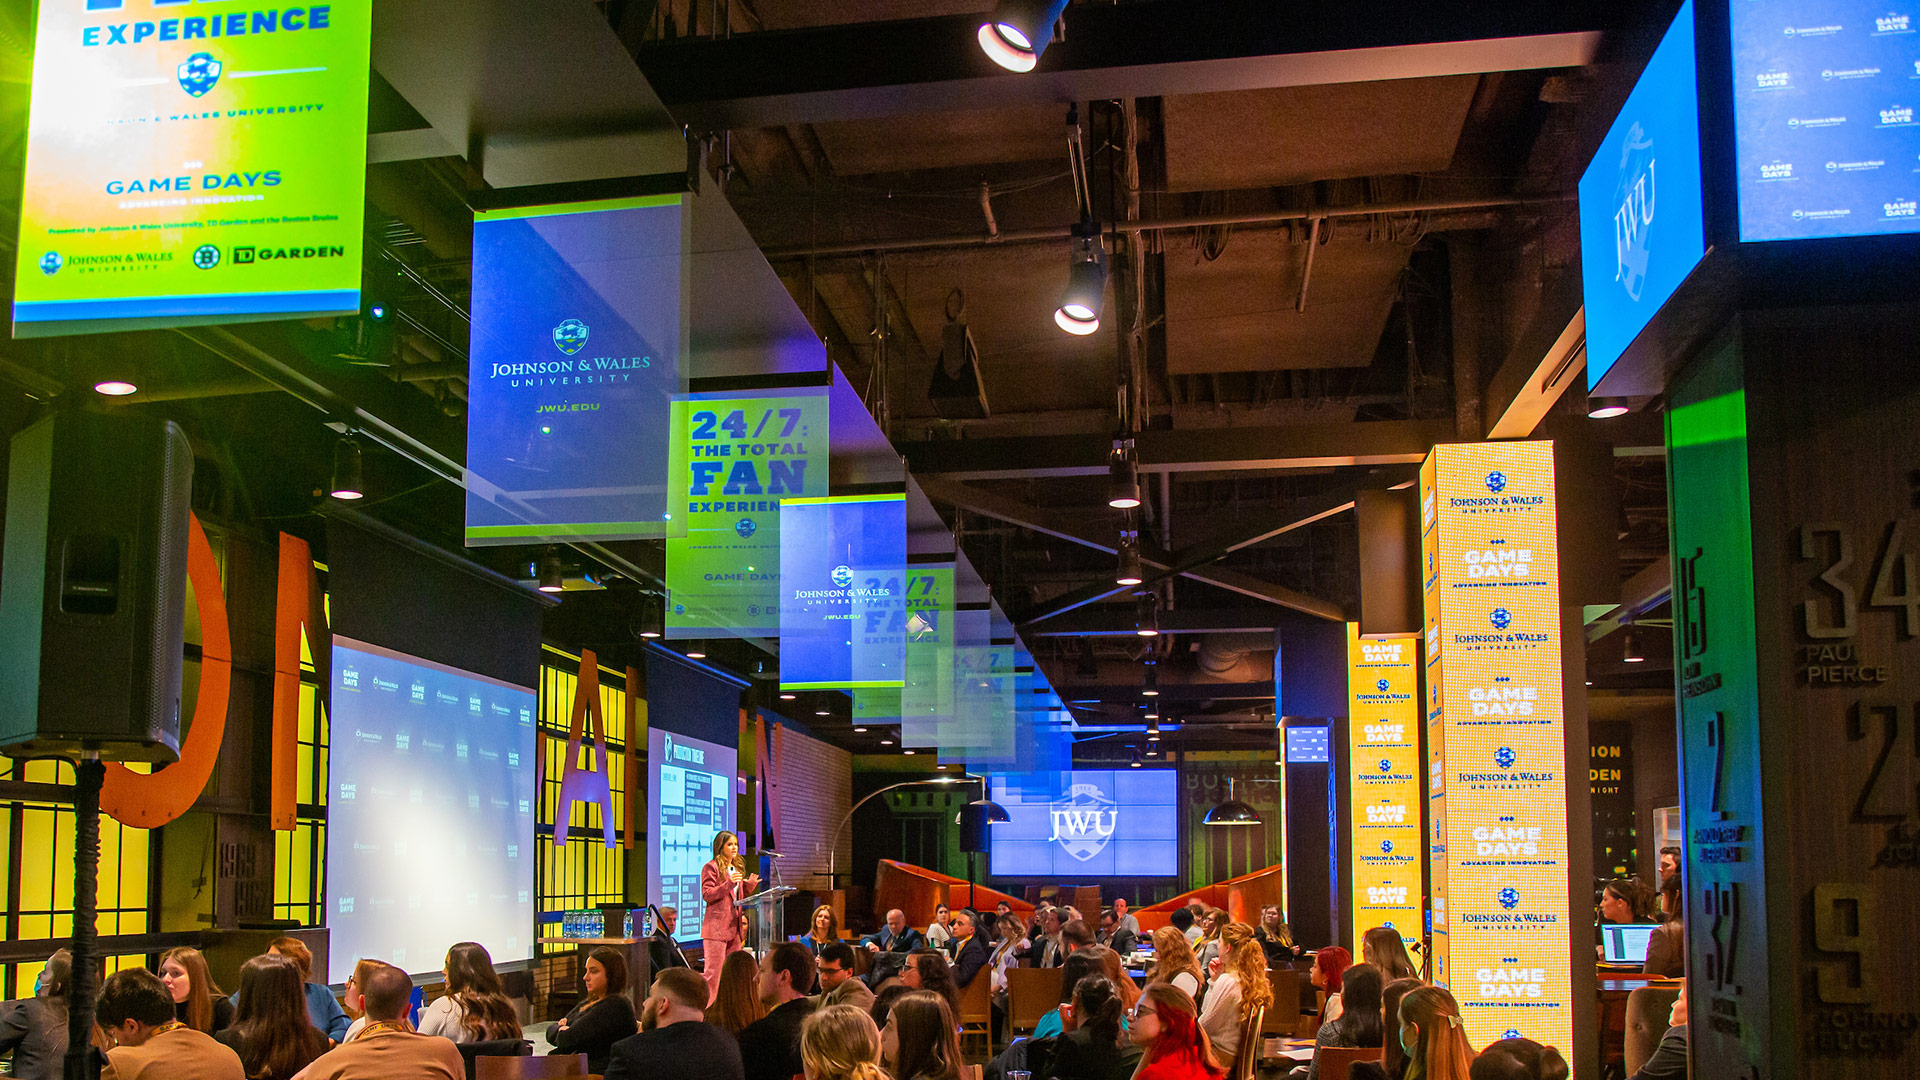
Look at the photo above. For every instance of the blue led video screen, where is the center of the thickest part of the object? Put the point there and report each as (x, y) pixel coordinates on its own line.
(1642, 227)
(1824, 99)
(1087, 823)
(430, 815)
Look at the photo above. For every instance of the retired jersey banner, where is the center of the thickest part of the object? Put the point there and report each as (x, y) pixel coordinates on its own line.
(579, 350)
(192, 164)
(735, 457)
(1383, 752)
(843, 614)
(1496, 740)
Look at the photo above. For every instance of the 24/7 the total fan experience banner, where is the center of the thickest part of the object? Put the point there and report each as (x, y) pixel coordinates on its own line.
(1496, 745)
(191, 164)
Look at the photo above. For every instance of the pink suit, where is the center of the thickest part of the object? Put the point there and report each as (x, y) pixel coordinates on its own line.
(720, 927)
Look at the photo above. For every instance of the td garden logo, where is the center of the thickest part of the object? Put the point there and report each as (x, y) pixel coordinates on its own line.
(1084, 819)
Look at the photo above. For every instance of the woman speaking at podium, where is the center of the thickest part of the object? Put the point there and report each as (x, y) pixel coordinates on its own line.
(722, 883)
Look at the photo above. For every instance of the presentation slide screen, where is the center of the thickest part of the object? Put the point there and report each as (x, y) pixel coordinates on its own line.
(1087, 823)
(192, 164)
(1642, 222)
(430, 816)
(843, 611)
(1824, 93)
(692, 785)
(579, 347)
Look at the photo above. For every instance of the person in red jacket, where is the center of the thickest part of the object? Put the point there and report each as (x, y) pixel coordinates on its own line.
(1166, 1025)
(722, 883)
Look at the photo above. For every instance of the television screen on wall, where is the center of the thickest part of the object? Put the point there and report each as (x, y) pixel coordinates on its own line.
(1070, 826)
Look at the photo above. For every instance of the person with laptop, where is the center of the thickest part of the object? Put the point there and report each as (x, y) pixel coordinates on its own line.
(1666, 954)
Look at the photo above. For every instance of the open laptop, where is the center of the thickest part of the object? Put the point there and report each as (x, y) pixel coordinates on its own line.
(1625, 944)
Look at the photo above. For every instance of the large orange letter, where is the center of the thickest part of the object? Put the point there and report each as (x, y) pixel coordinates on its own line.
(297, 606)
(150, 800)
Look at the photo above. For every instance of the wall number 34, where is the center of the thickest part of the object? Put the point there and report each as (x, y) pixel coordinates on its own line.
(1834, 609)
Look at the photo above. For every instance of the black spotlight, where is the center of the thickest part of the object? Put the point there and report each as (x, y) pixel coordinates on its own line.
(1123, 482)
(1079, 310)
(1129, 571)
(348, 483)
(1018, 31)
(552, 574)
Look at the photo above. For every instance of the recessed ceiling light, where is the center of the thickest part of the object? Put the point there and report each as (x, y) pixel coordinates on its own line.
(788, 697)
(696, 654)
(886, 742)
(909, 752)
(823, 712)
(859, 731)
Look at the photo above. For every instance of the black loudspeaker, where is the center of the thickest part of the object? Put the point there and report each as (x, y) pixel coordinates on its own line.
(93, 588)
(975, 830)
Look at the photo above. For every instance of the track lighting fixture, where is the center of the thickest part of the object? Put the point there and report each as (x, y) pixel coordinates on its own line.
(1018, 31)
(1136, 757)
(1631, 652)
(1153, 728)
(1079, 310)
(115, 377)
(1603, 408)
(1146, 616)
(1129, 572)
(347, 484)
(653, 617)
(1123, 483)
(1150, 682)
(552, 574)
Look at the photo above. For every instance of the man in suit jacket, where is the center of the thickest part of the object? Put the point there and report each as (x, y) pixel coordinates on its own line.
(970, 954)
(837, 984)
(675, 1039)
(895, 937)
(662, 950)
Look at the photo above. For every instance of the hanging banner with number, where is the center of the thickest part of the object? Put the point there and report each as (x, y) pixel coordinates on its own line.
(843, 616)
(735, 456)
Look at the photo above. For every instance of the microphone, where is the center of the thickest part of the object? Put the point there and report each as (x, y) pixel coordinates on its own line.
(773, 854)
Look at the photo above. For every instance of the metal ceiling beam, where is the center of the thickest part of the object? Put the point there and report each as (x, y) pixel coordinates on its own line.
(1114, 622)
(1295, 446)
(1106, 52)
(1169, 691)
(1641, 593)
(1188, 562)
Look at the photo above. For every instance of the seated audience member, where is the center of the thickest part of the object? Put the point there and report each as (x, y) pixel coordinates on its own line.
(1084, 964)
(1393, 1059)
(928, 969)
(270, 1030)
(357, 1001)
(884, 999)
(1173, 959)
(197, 1002)
(663, 951)
(388, 1048)
(1667, 945)
(1094, 1045)
(837, 983)
(895, 937)
(969, 953)
(940, 930)
(1328, 966)
(770, 1046)
(322, 1009)
(1166, 1027)
(1360, 1022)
(137, 1014)
(1627, 900)
(1181, 919)
(840, 1042)
(736, 1002)
(1519, 1059)
(1123, 919)
(1430, 1031)
(1053, 952)
(1670, 862)
(1383, 947)
(921, 1040)
(1669, 1060)
(1075, 935)
(1208, 948)
(1275, 937)
(675, 1039)
(823, 929)
(1005, 954)
(35, 1030)
(604, 1018)
(1238, 988)
(1123, 983)
(475, 1008)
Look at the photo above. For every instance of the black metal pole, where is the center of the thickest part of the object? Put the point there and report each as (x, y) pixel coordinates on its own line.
(88, 776)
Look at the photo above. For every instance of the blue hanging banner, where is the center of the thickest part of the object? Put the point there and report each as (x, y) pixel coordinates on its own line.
(843, 613)
(579, 348)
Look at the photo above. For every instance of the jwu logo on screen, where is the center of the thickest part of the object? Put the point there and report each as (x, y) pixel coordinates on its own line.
(1084, 819)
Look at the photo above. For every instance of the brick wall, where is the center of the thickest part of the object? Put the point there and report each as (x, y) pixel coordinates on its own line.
(816, 790)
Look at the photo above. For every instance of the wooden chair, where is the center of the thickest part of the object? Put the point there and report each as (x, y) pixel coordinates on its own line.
(1246, 1060)
(551, 1067)
(1031, 994)
(976, 1009)
(1284, 1014)
(473, 1051)
(1647, 1009)
(1337, 1061)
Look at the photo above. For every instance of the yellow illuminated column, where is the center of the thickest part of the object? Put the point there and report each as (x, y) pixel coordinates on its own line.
(1497, 756)
(1383, 756)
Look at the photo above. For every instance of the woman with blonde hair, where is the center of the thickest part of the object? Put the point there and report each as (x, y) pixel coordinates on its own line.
(1123, 984)
(1167, 1028)
(1383, 947)
(737, 1003)
(920, 1041)
(1174, 962)
(1430, 1032)
(1239, 987)
(840, 1042)
(197, 1002)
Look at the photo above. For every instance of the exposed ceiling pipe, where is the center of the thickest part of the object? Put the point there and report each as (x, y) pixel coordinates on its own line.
(193, 391)
(1195, 221)
(986, 211)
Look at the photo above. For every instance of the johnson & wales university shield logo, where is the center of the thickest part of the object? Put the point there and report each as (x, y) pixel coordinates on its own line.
(1084, 820)
(570, 336)
(198, 73)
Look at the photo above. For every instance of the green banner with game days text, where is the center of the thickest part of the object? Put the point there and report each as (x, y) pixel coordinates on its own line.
(734, 457)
